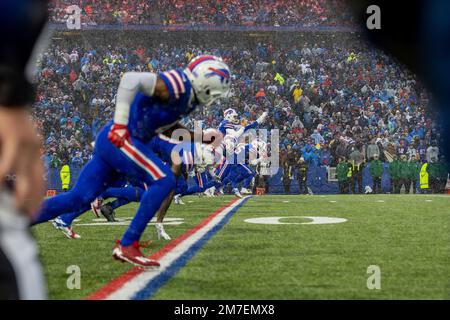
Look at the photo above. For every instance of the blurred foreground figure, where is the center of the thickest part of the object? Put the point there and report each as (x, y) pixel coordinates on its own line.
(418, 34)
(21, 170)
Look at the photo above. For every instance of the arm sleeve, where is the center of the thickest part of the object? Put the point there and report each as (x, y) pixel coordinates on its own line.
(250, 126)
(132, 83)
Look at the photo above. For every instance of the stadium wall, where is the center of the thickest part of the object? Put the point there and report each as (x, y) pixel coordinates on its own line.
(317, 180)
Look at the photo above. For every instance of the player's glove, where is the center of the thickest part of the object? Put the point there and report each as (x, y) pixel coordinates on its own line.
(118, 134)
(262, 118)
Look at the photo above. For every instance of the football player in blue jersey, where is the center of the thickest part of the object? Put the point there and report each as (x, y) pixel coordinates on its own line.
(230, 124)
(147, 104)
(132, 191)
(204, 178)
(236, 170)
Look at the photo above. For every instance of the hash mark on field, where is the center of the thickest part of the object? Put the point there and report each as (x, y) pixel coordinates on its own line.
(333, 201)
(190, 201)
(286, 201)
(428, 200)
(381, 201)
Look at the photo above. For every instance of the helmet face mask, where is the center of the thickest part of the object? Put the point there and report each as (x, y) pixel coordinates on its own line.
(231, 115)
(234, 119)
(209, 77)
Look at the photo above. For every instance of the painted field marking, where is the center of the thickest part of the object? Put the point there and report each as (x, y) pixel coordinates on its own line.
(333, 201)
(276, 220)
(381, 201)
(428, 200)
(286, 201)
(139, 284)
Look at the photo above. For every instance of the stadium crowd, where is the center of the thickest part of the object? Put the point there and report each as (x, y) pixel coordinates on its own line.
(333, 100)
(308, 13)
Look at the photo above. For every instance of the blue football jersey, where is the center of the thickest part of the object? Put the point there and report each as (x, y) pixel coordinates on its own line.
(224, 125)
(149, 116)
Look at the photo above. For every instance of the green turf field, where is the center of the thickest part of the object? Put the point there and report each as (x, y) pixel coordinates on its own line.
(407, 237)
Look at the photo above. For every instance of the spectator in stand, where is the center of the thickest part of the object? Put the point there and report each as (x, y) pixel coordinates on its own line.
(432, 154)
(373, 150)
(189, 12)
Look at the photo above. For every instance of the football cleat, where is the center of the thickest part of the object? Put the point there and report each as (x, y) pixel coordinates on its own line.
(108, 212)
(132, 254)
(65, 229)
(161, 232)
(237, 193)
(210, 192)
(246, 191)
(218, 192)
(177, 199)
(95, 207)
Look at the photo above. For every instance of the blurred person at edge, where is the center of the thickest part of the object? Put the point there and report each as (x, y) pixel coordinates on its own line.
(416, 34)
(21, 24)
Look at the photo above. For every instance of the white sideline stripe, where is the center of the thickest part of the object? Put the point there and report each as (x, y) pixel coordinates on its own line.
(129, 289)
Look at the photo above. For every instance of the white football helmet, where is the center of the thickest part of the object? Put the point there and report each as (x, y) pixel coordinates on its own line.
(210, 78)
(231, 115)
